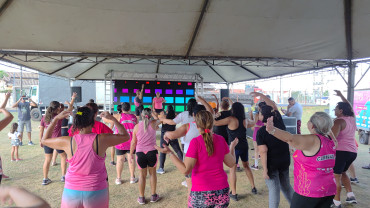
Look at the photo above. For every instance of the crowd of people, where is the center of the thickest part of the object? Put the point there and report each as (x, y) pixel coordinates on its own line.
(211, 137)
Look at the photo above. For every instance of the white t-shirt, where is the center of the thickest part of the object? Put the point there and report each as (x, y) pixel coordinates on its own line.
(191, 134)
(14, 136)
(183, 118)
(296, 111)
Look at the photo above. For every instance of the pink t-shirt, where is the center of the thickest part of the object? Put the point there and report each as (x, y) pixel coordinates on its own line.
(314, 175)
(208, 173)
(86, 170)
(158, 102)
(128, 121)
(98, 128)
(57, 131)
(145, 139)
(258, 125)
(347, 137)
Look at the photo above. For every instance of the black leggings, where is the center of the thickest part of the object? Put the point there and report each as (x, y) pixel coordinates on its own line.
(299, 201)
(174, 144)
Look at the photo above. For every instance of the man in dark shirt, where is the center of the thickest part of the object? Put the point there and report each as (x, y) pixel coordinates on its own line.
(24, 116)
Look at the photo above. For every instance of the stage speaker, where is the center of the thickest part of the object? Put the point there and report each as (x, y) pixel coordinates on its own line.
(79, 93)
(224, 93)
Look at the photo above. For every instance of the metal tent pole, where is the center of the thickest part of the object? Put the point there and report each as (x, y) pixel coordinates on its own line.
(351, 81)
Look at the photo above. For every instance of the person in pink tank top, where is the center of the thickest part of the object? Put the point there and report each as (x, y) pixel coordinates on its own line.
(314, 160)
(344, 130)
(205, 160)
(86, 182)
(128, 121)
(143, 142)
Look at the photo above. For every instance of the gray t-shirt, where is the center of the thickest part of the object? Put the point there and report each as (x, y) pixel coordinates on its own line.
(24, 111)
(296, 111)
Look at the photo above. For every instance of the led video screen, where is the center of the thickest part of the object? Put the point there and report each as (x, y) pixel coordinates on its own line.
(176, 94)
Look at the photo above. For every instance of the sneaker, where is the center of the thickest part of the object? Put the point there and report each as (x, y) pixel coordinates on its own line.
(233, 196)
(160, 171)
(118, 181)
(141, 200)
(46, 182)
(54, 164)
(113, 163)
(30, 143)
(12, 160)
(17, 160)
(335, 206)
(154, 198)
(238, 168)
(354, 180)
(351, 200)
(63, 179)
(254, 190)
(134, 180)
(254, 167)
(125, 160)
(366, 167)
(184, 184)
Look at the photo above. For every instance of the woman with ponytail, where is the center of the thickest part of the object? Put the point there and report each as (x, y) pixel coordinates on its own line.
(143, 142)
(204, 160)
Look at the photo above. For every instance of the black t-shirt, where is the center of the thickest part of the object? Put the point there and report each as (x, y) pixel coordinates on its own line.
(222, 130)
(168, 127)
(278, 155)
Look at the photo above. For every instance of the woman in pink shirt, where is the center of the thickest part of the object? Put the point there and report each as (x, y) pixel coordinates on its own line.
(86, 183)
(204, 160)
(314, 160)
(143, 141)
(158, 103)
(344, 130)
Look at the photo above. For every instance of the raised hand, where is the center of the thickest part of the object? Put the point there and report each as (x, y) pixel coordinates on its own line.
(74, 95)
(7, 95)
(270, 124)
(164, 150)
(107, 115)
(62, 115)
(338, 93)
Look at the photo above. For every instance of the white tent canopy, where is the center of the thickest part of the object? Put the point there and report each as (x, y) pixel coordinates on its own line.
(217, 40)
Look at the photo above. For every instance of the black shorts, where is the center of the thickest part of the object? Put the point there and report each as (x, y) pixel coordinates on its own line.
(122, 152)
(64, 131)
(138, 110)
(148, 159)
(243, 154)
(343, 160)
(299, 201)
(49, 150)
(158, 111)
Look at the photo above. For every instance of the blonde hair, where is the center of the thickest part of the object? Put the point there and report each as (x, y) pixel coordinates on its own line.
(147, 115)
(204, 120)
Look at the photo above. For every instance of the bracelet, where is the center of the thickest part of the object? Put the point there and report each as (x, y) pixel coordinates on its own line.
(272, 132)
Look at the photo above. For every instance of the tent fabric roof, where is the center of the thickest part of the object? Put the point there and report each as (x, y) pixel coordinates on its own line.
(231, 41)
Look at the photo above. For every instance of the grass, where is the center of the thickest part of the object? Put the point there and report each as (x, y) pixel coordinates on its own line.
(28, 174)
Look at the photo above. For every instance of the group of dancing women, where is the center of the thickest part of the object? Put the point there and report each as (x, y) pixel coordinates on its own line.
(211, 138)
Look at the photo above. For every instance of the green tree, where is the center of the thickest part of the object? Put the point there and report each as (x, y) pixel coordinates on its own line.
(3, 74)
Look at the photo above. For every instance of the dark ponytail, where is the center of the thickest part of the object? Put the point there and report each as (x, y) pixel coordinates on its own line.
(84, 117)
